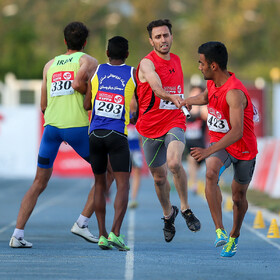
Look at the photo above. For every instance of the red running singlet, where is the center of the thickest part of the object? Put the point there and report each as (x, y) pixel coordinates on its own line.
(219, 123)
(157, 116)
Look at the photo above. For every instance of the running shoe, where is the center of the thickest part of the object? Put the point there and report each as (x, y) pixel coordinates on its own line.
(230, 248)
(84, 233)
(19, 243)
(192, 222)
(221, 237)
(169, 227)
(117, 242)
(104, 244)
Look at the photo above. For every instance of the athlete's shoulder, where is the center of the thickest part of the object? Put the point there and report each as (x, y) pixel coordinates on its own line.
(88, 58)
(48, 64)
(210, 85)
(235, 82)
(174, 56)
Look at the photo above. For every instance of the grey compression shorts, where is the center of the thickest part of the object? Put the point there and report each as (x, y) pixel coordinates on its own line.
(155, 149)
(243, 169)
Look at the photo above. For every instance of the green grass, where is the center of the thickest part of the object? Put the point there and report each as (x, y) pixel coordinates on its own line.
(260, 199)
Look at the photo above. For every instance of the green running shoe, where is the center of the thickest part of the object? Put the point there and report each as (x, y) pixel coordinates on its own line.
(221, 237)
(230, 248)
(104, 244)
(117, 242)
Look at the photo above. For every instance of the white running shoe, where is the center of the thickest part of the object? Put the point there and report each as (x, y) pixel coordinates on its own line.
(84, 232)
(19, 243)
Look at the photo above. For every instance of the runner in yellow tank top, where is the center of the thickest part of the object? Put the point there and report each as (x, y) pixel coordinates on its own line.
(64, 85)
(64, 104)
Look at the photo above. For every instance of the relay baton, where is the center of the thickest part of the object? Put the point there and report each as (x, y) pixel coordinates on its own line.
(186, 112)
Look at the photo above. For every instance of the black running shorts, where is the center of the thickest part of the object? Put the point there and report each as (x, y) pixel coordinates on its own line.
(104, 142)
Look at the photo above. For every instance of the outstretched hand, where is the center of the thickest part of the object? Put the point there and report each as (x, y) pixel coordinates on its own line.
(199, 154)
(184, 102)
(176, 99)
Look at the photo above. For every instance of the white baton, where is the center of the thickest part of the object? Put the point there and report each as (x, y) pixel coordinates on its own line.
(186, 112)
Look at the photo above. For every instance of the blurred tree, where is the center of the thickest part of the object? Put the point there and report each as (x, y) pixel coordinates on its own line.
(32, 31)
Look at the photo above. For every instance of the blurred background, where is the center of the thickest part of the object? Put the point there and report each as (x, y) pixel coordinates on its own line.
(32, 33)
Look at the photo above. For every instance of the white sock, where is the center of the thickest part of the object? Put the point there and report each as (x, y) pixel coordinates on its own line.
(169, 216)
(18, 233)
(82, 221)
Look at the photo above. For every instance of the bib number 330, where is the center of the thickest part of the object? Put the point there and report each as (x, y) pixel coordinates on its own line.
(62, 83)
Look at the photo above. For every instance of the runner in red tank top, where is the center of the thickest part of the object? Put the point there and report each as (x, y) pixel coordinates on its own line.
(157, 116)
(161, 124)
(232, 139)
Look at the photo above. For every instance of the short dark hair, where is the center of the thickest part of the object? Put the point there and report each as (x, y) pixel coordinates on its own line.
(75, 34)
(117, 48)
(157, 23)
(215, 52)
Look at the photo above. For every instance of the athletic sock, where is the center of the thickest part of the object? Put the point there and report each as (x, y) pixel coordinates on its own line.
(82, 221)
(170, 215)
(18, 233)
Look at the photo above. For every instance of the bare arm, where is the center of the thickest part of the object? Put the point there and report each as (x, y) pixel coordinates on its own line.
(87, 100)
(200, 99)
(88, 66)
(44, 99)
(133, 104)
(237, 102)
(148, 74)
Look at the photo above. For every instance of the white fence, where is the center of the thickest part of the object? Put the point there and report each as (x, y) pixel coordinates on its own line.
(19, 127)
(11, 90)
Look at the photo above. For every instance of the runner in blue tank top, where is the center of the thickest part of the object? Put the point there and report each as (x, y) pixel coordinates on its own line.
(109, 94)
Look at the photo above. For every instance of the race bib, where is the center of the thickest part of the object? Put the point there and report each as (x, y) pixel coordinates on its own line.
(109, 105)
(168, 105)
(62, 83)
(216, 122)
(256, 116)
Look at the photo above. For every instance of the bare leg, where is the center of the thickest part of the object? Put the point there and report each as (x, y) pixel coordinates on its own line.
(30, 198)
(100, 202)
(174, 161)
(121, 200)
(193, 167)
(89, 206)
(212, 191)
(240, 206)
(136, 182)
(162, 187)
(110, 179)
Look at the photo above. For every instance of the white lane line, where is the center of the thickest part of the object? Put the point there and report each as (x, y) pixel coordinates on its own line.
(129, 264)
(260, 235)
(47, 204)
(12, 224)
(248, 227)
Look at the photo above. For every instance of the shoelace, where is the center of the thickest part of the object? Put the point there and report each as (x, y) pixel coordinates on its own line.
(220, 233)
(231, 245)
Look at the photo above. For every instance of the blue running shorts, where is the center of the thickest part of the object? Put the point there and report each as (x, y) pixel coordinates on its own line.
(76, 137)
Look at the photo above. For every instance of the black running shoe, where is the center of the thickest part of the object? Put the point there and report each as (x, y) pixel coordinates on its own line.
(169, 227)
(192, 222)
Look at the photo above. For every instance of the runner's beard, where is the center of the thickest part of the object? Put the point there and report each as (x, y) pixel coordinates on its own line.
(159, 50)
